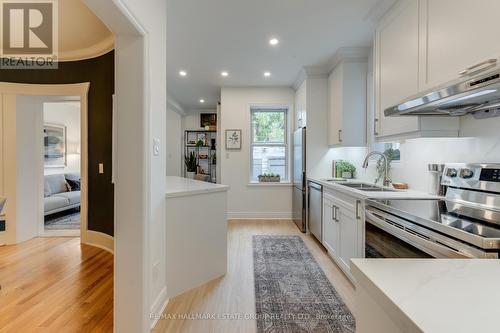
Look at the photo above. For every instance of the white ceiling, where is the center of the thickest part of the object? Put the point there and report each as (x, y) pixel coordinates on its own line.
(208, 36)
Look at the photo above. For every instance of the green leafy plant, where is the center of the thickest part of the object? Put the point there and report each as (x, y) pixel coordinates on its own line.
(391, 154)
(200, 143)
(269, 177)
(190, 161)
(344, 166)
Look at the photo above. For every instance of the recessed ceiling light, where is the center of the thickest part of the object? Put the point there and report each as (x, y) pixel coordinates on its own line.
(224, 73)
(274, 41)
(183, 73)
(267, 74)
(202, 101)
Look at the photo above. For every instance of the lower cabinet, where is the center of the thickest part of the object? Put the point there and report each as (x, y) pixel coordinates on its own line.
(343, 220)
(330, 227)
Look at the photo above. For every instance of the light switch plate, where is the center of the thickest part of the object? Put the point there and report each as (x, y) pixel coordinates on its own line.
(156, 147)
(101, 168)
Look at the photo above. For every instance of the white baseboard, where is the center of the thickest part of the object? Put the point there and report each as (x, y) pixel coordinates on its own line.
(259, 216)
(99, 239)
(158, 307)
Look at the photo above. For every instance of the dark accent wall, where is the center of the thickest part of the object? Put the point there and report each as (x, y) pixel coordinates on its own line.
(99, 72)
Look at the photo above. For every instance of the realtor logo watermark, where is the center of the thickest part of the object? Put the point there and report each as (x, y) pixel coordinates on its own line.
(29, 34)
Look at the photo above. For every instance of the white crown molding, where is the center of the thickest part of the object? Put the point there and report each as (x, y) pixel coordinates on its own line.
(96, 50)
(174, 106)
(378, 10)
(310, 72)
(348, 54)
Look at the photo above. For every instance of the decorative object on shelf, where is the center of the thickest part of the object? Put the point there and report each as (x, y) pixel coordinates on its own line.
(201, 137)
(208, 119)
(269, 178)
(391, 154)
(200, 143)
(214, 158)
(345, 169)
(191, 165)
(203, 156)
(213, 141)
(233, 139)
(54, 141)
(191, 138)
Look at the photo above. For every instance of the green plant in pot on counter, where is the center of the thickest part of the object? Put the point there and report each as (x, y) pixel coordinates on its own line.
(392, 154)
(191, 164)
(345, 169)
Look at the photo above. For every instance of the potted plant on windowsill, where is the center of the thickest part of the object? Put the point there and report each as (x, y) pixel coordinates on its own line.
(269, 178)
(191, 165)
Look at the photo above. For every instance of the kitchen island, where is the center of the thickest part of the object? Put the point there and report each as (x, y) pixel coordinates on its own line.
(427, 295)
(196, 227)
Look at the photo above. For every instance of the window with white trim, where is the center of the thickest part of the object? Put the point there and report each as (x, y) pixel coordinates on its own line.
(269, 143)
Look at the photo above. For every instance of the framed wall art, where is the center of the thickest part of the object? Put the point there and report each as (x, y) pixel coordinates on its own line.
(233, 139)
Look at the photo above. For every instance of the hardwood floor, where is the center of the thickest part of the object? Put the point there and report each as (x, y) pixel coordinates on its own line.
(55, 285)
(234, 293)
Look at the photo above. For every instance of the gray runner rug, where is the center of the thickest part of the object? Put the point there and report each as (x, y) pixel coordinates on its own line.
(292, 293)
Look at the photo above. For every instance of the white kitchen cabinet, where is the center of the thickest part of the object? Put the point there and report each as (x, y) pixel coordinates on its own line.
(342, 228)
(397, 69)
(330, 227)
(459, 34)
(347, 103)
(349, 231)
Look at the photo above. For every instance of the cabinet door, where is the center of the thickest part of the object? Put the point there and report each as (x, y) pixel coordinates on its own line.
(335, 106)
(460, 33)
(349, 226)
(396, 66)
(330, 228)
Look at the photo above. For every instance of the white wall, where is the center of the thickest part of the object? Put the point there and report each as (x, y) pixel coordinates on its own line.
(140, 87)
(67, 114)
(244, 200)
(174, 143)
(479, 142)
(29, 192)
(191, 121)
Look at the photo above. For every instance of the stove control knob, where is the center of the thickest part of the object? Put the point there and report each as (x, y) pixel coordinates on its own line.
(466, 173)
(451, 172)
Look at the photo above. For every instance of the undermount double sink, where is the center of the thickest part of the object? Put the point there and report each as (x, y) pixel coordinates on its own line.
(363, 186)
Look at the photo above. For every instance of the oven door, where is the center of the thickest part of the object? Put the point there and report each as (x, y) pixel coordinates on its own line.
(387, 236)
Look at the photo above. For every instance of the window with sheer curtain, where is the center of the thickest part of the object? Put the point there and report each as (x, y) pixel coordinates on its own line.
(269, 146)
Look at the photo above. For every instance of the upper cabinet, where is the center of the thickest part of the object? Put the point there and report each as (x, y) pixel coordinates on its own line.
(460, 34)
(347, 104)
(398, 68)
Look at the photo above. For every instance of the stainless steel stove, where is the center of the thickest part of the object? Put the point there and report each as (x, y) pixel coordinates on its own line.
(463, 224)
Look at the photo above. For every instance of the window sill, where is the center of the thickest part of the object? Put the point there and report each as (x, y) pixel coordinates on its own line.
(270, 184)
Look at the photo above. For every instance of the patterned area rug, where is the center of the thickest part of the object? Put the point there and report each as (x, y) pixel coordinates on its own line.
(68, 220)
(292, 293)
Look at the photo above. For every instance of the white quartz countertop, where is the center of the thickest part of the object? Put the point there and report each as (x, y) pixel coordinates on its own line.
(397, 194)
(434, 295)
(180, 187)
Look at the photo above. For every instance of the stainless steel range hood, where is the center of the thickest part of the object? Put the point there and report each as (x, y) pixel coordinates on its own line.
(476, 93)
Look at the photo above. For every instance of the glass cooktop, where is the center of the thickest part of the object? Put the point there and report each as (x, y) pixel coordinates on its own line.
(473, 220)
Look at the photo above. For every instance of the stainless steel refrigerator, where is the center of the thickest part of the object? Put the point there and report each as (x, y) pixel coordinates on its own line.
(299, 179)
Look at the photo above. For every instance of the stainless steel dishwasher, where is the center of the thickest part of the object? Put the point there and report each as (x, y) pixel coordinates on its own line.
(315, 210)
